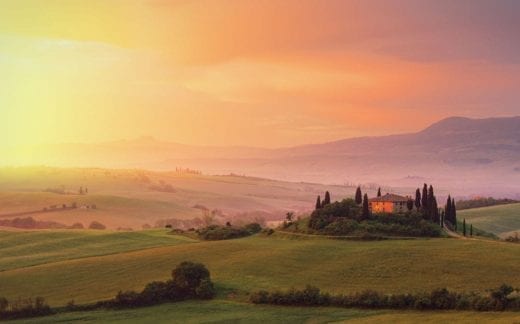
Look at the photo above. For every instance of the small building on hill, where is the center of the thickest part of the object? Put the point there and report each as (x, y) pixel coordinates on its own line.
(389, 203)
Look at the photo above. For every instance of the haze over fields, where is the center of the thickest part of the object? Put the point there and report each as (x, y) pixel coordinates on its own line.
(461, 155)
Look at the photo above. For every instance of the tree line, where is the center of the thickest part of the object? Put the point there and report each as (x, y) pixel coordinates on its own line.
(499, 299)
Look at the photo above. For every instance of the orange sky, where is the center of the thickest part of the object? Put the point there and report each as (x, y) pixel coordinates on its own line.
(256, 73)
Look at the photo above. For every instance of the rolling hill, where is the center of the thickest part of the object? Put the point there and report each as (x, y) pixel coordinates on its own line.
(133, 198)
(462, 155)
(87, 267)
(502, 220)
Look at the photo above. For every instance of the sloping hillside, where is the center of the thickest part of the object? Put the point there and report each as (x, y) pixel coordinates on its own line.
(501, 220)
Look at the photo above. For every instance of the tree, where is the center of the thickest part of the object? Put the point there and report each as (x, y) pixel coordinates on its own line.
(80, 190)
(454, 212)
(318, 202)
(471, 230)
(435, 211)
(409, 204)
(448, 210)
(188, 275)
(418, 198)
(366, 211)
(464, 227)
(289, 216)
(379, 192)
(424, 199)
(359, 196)
(442, 218)
(326, 200)
(430, 208)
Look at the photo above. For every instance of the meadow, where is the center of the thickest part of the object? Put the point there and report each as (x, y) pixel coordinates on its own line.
(275, 262)
(502, 220)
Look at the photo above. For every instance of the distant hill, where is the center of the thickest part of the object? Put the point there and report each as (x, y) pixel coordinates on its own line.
(462, 155)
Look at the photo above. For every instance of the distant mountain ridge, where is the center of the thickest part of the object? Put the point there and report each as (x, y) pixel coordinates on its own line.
(469, 156)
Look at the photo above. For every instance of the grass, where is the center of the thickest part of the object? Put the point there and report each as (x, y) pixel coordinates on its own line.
(500, 220)
(220, 311)
(244, 265)
(24, 249)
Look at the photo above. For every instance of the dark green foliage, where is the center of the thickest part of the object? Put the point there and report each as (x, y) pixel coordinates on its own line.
(409, 204)
(449, 212)
(189, 281)
(453, 211)
(217, 232)
(439, 299)
(345, 218)
(326, 200)
(471, 230)
(318, 203)
(24, 308)
(424, 198)
(418, 198)
(464, 227)
(365, 212)
(359, 196)
(379, 192)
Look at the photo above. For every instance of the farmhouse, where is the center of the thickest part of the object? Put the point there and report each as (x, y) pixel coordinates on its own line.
(388, 203)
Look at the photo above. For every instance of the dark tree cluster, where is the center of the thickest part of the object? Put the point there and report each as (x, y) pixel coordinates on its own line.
(322, 203)
(450, 213)
(23, 308)
(427, 204)
(499, 299)
(189, 281)
(218, 232)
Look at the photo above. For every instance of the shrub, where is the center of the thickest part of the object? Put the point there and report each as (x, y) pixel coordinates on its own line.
(96, 226)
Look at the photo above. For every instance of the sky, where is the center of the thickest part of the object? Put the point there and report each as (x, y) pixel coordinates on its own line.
(255, 73)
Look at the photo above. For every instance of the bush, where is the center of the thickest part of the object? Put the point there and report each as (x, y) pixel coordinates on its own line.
(21, 308)
(217, 232)
(96, 226)
(189, 280)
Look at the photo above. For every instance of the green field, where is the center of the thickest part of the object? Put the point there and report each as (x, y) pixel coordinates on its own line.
(501, 220)
(221, 311)
(24, 249)
(244, 265)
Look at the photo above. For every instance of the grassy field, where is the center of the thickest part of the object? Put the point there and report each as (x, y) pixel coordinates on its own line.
(24, 249)
(221, 311)
(244, 265)
(501, 220)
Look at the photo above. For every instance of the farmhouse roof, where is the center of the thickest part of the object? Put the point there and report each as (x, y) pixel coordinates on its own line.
(389, 197)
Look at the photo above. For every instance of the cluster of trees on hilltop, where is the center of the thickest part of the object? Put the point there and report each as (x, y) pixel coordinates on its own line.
(353, 217)
(23, 308)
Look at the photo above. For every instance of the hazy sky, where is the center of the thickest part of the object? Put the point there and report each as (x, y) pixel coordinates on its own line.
(261, 73)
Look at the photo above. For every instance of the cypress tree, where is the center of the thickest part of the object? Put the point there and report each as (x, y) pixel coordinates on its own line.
(326, 200)
(431, 198)
(449, 211)
(318, 202)
(424, 199)
(379, 192)
(359, 196)
(366, 211)
(442, 218)
(464, 227)
(435, 211)
(471, 230)
(418, 198)
(453, 211)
